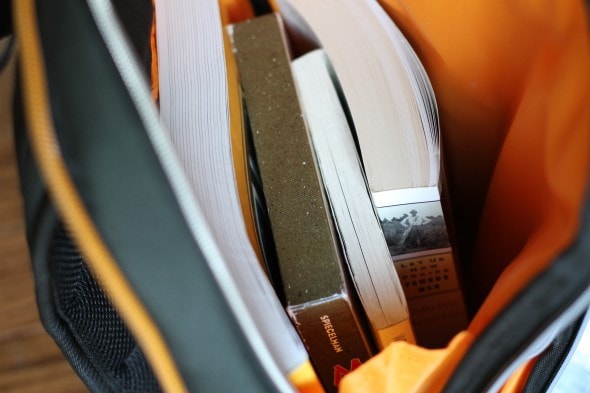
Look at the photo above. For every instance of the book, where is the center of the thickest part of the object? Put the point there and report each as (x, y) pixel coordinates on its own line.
(239, 149)
(193, 85)
(392, 109)
(246, 171)
(365, 249)
(318, 295)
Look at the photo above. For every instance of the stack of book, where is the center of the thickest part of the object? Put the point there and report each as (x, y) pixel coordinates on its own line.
(320, 173)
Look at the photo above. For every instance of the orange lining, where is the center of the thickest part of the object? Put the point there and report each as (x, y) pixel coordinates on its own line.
(511, 79)
(235, 11)
(155, 80)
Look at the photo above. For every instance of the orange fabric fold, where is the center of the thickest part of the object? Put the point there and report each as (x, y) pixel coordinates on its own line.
(535, 196)
(235, 11)
(513, 89)
(403, 367)
(512, 80)
(512, 84)
(518, 379)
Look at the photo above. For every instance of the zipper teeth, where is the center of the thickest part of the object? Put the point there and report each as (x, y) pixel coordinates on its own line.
(63, 193)
(111, 31)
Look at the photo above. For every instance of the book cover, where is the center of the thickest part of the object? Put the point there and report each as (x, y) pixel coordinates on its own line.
(319, 299)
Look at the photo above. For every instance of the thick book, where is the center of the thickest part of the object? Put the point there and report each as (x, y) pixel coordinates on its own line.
(318, 295)
(363, 243)
(393, 112)
(193, 84)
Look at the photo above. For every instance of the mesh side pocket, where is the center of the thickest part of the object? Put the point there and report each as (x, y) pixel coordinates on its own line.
(93, 322)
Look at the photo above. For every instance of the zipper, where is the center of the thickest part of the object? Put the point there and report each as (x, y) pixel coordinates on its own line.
(69, 204)
(112, 33)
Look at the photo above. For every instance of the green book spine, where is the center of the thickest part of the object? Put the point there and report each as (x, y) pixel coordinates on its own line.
(313, 276)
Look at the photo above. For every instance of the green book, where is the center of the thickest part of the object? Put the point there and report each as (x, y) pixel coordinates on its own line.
(318, 295)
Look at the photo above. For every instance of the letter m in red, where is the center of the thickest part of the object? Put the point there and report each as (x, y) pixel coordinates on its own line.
(340, 371)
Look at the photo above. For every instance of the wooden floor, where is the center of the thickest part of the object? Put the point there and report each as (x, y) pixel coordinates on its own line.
(30, 362)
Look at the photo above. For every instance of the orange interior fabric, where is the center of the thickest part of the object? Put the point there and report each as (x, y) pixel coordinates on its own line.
(155, 81)
(403, 367)
(513, 89)
(512, 80)
(234, 11)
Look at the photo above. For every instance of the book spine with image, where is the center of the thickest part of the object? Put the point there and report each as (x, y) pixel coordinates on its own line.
(417, 235)
(315, 283)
